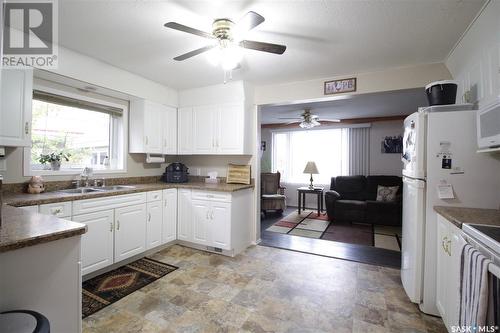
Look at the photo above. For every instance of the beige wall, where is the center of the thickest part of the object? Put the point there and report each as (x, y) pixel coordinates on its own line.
(384, 164)
(201, 165)
(136, 167)
(386, 80)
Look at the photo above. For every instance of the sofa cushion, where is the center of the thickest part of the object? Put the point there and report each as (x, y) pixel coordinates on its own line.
(372, 183)
(387, 193)
(350, 210)
(350, 187)
(383, 212)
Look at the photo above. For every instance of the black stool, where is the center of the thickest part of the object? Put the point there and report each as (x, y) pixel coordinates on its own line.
(23, 321)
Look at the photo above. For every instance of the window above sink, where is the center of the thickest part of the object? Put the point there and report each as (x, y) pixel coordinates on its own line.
(90, 128)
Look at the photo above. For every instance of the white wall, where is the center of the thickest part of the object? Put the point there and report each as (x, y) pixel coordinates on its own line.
(87, 69)
(84, 68)
(266, 156)
(385, 80)
(384, 164)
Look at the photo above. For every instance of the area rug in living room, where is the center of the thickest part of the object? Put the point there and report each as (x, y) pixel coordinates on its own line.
(107, 288)
(309, 224)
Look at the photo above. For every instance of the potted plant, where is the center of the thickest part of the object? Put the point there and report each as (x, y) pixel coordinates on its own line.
(54, 159)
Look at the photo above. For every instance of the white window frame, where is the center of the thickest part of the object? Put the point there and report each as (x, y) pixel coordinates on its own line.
(27, 171)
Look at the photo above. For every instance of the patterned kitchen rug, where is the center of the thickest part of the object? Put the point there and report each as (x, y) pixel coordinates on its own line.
(107, 288)
(309, 224)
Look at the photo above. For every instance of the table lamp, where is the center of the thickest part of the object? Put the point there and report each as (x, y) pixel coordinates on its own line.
(311, 169)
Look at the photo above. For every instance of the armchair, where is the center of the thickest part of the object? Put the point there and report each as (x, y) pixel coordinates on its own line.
(272, 193)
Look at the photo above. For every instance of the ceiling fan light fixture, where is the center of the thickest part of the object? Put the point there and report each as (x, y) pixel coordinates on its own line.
(228, 56)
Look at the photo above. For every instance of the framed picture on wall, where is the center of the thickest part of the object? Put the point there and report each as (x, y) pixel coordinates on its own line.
(392, 145)
(340, 86)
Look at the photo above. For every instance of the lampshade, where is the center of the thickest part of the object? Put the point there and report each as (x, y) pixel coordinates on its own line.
(311, 168)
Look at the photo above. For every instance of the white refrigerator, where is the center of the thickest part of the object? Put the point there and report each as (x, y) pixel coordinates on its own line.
(439, 151)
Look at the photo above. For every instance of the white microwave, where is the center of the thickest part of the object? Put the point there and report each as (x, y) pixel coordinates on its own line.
(488, 126)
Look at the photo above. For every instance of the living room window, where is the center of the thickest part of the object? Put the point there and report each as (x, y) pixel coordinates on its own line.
(291, 150)
(89, 131)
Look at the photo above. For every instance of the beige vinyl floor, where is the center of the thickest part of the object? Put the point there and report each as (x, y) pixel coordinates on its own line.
(265, 290)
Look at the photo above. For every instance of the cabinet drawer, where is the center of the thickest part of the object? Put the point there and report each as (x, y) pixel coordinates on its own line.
(154, 196)
(212, 196)
(33, 209)
(97, 204)
(59, 209)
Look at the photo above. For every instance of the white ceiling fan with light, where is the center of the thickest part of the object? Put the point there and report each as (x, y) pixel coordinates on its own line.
(308, 120)
(227, 40)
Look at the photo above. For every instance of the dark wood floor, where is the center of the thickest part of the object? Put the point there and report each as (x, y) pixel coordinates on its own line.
(360, 253)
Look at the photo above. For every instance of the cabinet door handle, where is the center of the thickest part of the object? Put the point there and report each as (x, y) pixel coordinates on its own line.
(212, 215)
(111, 226)
(165, 202)
(27, 128)
(147, 140)
(149, 217)
(208, 216)
(117, 224)
(165, 142)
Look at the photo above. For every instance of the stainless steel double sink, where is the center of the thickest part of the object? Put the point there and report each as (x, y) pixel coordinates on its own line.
(84, 190)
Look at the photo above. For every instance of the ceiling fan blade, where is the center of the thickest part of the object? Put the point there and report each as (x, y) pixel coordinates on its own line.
(331, 120)
(194, 52)
(262, 46)
(290, 118)
(184, 28)
(249, 21)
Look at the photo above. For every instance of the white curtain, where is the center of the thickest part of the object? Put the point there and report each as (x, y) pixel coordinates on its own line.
(358, 151)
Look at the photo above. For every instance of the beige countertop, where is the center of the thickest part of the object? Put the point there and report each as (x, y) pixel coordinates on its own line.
(461, 215)
(21, 228)
(24, 199)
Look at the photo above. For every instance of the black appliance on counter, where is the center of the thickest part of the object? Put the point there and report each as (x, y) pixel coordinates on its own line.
(175, 173)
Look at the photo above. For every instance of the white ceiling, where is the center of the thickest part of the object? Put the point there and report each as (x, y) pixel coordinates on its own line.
(385, 104)
(324, 38)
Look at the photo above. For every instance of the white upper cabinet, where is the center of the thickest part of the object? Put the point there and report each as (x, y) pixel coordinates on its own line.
(230, 138)
(185, 131)
(15, 107)
(204, 129)
(153, 128)
(475, 61)
(215, 120)
(169, 131)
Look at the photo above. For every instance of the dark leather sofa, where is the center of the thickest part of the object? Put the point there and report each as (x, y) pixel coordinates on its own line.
(353, 199)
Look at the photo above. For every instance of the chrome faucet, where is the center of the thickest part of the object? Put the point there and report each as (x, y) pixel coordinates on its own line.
(86, 175)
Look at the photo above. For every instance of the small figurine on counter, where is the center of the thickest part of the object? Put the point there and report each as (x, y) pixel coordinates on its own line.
(36, 185)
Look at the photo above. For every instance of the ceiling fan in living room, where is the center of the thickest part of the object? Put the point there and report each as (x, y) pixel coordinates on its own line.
(308, 120)
(227, 40)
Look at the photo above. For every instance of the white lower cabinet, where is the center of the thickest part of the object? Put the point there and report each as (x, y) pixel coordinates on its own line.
(215, 220)
(169, 225)
(184, 213)
(201, 222)
(130, 232)
(449, 250)
(220, 220)
(97, 242)
(154, 224)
